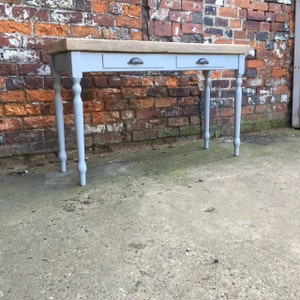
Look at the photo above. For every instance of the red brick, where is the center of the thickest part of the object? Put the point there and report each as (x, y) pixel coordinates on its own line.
(280, 89)
(228, 12)
(142, 103)
(188, 101)
(10, 124)
(109, 33)
(15, 27)
(159, 28)
(92, 106)
(136, 35)
(275, 7)
(105, 117)
(282, 17)
(39, 122)
(239, 34)
(258, 5)
(12, 96)
(270, 17)
(128, 115)
(192, 28)
(30, 68)
(264, 26)
(12, 1)
(279, 72)
(45, 29)
(246, 110)
(192, 6)
(131, 81)
(235, 23)
(84, 31)
(140, 92)
(21, 110)
(171, 4)
(123, 21)
(165, 102)
(265, 54)
(242, 3)
(40, 95)
(278, 26)
(134, 11)
(115, 104)
(147, 81)
(255, 63)
(146, 114)
(256, 15)
(100, 7)
(106, 94)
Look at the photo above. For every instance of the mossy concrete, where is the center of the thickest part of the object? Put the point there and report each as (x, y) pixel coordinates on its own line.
(161, 222)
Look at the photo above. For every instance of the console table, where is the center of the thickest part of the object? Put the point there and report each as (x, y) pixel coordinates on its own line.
(76, 56)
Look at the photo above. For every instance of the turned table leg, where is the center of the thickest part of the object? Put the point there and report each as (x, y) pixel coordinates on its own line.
(79, 125)
(206, 108)
(59, 112)
(237, 113)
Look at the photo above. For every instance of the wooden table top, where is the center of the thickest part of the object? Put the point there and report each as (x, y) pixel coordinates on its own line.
(99, 45)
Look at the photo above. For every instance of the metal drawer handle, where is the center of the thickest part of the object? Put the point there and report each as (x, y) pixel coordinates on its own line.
(202, 61)
(135, 61)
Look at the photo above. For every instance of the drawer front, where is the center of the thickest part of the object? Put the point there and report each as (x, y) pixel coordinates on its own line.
(208, 62)
(132, 61)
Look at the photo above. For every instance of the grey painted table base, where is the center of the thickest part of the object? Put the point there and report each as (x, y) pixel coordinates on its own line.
(77, 56)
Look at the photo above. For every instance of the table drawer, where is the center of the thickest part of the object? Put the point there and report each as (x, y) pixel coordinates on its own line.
(205, 61)
(132, 61)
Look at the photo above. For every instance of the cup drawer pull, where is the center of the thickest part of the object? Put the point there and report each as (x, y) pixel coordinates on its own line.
(135, 61)
(202, 61)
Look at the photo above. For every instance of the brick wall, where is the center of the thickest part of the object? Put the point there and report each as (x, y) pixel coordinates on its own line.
(127, 107)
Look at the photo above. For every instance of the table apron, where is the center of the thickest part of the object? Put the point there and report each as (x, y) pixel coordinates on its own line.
(76, 62)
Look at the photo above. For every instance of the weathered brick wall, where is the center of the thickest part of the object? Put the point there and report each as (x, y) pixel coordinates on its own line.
(128, 107)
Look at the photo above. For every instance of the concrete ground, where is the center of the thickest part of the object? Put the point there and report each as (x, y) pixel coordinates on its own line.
(163, 222)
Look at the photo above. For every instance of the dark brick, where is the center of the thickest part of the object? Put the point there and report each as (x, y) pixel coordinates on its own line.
(31, 13)
(192, 38)
(2, 139)
(34, 82)
(221, 22)
(209, 21)
(210, 10)
(197, 18)
(262, 36)
(170, 112)
(228, 33)
(281, 36)
(251, 73)
(8, 69)
(100, 20)
(251, 25)
(67, 17)
(214, 31)
(84, 5)
(24, 137)
(157, 91)
(14, 83)
(271, 45)
(179, 92)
